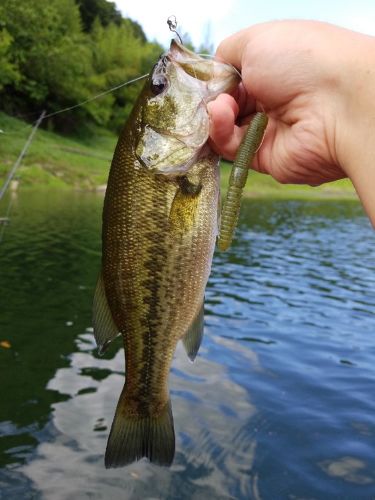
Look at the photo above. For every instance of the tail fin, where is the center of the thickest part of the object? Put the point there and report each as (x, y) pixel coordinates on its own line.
(132, 438)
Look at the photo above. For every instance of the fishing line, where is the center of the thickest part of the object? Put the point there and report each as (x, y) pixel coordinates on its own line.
(172, 24)
(43, 116)
(5, 220)
(214, 57)
(22, 154)
(75, 106)
(90, 99)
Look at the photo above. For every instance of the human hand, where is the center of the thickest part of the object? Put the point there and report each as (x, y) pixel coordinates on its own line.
(313, 82)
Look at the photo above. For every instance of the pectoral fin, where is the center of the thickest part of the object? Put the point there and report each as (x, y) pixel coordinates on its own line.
(189, 186)
(193, 337)
(105, 329)
(183, 211)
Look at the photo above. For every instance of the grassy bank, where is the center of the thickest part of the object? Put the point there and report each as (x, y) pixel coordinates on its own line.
(83, 162)
(54, 160)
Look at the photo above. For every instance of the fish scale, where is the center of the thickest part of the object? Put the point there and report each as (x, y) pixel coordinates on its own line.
(159, 232)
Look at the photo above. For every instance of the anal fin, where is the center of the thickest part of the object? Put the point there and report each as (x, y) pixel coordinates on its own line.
(105, 329)
(193, 337)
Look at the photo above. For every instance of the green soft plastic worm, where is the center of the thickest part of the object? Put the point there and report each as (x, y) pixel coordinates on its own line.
(245, 156)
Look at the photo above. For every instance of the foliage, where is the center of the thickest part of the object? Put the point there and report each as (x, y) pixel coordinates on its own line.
(105, 11)
(9, 73)
(49, 52)
(57, 53)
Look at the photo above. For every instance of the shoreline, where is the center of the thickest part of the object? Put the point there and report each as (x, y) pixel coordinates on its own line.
(289, 192)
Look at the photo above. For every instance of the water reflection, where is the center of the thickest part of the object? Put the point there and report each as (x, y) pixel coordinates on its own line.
(206, 411)
(350, 469)
(279, 403)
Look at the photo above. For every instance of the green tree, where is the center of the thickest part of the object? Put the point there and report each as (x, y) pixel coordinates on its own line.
(49, 62)
(51, 53)
(135, 28)
(8, 71)
(119, 56)
(103, 10)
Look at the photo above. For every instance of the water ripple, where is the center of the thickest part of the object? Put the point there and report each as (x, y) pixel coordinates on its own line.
(278, 404)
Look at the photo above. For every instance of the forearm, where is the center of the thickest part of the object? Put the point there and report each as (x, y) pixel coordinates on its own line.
(360, 168)
(356, 130)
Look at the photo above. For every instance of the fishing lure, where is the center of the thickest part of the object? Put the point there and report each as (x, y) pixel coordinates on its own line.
(244, 158)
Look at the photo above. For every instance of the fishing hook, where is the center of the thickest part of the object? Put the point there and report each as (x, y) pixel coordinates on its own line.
(172, 24)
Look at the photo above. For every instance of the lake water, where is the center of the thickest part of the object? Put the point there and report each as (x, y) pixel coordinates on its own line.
(280, 402)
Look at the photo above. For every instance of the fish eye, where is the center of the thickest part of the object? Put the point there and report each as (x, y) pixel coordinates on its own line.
(158, 84)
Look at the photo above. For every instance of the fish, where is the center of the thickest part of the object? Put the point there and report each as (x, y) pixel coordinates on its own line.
(159, 228)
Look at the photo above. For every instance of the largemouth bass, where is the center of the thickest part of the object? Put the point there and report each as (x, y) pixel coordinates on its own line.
(159, 231)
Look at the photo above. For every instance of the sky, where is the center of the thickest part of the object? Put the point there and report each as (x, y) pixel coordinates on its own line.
(210, 21)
